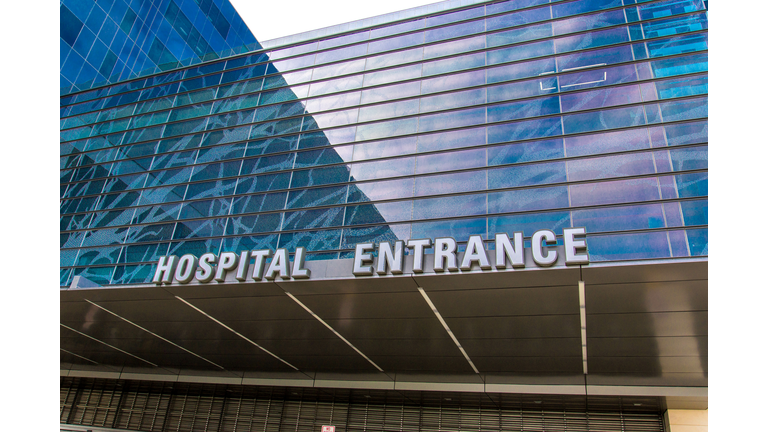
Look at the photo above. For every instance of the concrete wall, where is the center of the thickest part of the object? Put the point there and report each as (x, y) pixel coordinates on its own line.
(679, 420)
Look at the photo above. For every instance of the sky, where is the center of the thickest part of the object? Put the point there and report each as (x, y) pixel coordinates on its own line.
(267, 19)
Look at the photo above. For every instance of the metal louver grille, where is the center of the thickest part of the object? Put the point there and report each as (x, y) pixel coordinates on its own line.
(183, 407)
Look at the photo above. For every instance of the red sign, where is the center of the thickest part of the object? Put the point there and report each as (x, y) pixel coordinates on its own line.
(329, 429)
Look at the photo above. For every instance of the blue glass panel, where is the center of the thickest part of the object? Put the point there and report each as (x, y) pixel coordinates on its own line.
(613, 192)
(695, 212)
(698, 241)
(311, 240)
(320, 176)
(527, 175)
(450, 161)
(528, 223)
(70, 240)
(680, 65)
(104, 237)
(453, 64)
(210, 189)
(375, 234)
(262, 183)
(374, 191)
(139, 274)
(455, 16)
(259, 203)
(455, 206)
(452, 139)
(377, 213)
(528, 199)
(525, 130)
(669, 7)
(452, 100)
(195, 247)
(98, 275)
(575, 8)
(684, 110)
(455, 46)
(254, 224)
(143, 253)
(520, 35)
(268, 163)
(112, 218)
(692, 185)
(620, 218)
(320, 218)
(521, 52)
(687, 133)
(677, 45)
(316, 197)
(524, 109)
(199, 228)
(386, 129)
(157, 213)
(611, 166)
(395, 42)
(589, 22)
(98, 256)
(397, 28)
(628, 246)
(241, 243)
(608, 119)
(162, 194)
(632, 139)
(459, 229)
(452, 119)
(518, 18)
(390, 110)
(520, 70)
(450, 183)
(525, 152)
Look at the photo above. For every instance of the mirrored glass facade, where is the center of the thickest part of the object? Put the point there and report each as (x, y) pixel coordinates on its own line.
(108, 41)
(495, 117)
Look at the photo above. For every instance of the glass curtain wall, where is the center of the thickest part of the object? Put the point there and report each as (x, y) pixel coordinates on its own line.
(499, 117)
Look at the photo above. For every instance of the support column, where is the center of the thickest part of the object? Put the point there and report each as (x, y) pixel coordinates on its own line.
(682, 420)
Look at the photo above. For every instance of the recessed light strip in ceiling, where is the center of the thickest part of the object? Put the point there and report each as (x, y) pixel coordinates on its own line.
(111, 346)
(71, 353)
(233, 331)
(447, 329)
(583, 318)
(154, 334)
(334, 331)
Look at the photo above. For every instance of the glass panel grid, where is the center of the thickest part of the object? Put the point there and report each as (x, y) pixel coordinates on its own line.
(597, 118)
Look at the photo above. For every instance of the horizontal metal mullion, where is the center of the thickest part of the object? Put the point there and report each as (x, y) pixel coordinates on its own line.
(402, 99)
(377, 159)
(486, 104)
(395, 200)
(356, 182)
(486, 49)
(417, 115)
(277, 48)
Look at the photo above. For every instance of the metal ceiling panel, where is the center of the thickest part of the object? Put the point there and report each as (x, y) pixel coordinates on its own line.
(539, 347)
(408, 347)
(647, 346)
(529, 364)
(647, 324)
(507, 301)
(394, 305)
(231, 310)
(647, 297)
(534, 326)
